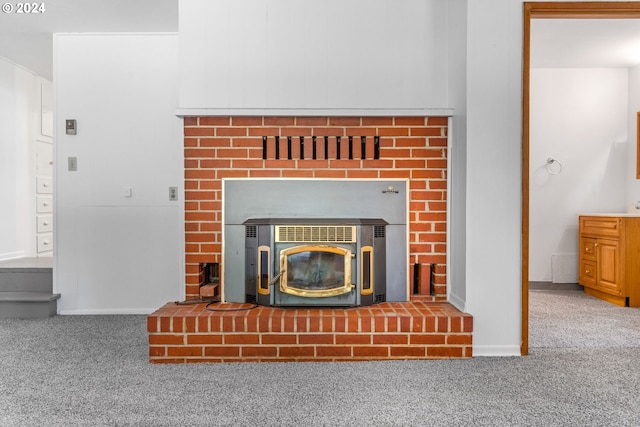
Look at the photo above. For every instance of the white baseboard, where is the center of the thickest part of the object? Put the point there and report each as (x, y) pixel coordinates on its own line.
(106, 311)
(496, 350)
(11, 255)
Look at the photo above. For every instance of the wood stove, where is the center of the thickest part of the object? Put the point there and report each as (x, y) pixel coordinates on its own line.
(315, 262)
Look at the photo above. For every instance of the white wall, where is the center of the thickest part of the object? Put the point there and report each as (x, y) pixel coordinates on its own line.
(117, 254)
(19, 118)
(330, 54)
(457, 79)
(494, 156)
(579, 117)
(633, 184)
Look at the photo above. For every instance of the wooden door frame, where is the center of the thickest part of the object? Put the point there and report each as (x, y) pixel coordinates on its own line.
(551, 10)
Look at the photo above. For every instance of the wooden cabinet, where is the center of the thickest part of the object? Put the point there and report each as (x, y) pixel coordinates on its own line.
(609, 265)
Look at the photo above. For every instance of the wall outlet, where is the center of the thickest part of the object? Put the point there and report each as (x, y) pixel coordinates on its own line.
(173, 194)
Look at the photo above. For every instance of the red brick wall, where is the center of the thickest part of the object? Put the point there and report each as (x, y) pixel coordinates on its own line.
(414, 148)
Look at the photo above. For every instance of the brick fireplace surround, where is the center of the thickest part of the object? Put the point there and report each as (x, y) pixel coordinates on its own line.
(412, 148)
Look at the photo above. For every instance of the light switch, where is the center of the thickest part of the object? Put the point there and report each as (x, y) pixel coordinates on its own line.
(73, 164)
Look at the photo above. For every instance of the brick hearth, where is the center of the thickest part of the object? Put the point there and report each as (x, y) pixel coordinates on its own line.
(398, 330)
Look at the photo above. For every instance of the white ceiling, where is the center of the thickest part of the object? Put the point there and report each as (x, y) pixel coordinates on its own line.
(27, 39)
(560, 43)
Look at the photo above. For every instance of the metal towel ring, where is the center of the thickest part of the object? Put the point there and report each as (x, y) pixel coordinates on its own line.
(551, 169)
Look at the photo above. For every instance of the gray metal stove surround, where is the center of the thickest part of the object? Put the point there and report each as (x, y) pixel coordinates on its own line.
(272, 202)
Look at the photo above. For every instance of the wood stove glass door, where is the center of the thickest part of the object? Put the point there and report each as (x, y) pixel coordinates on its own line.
(316, 275)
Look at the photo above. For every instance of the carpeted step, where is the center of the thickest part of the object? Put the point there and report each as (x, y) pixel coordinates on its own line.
(28, 304)
(26, 288)
(26, 275)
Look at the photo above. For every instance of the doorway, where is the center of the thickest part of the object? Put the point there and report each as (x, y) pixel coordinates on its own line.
(550, 10)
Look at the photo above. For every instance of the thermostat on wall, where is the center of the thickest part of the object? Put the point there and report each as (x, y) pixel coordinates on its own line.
(71, 126)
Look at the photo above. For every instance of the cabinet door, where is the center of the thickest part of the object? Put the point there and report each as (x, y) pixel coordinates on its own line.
(44, 159)
(609, 268)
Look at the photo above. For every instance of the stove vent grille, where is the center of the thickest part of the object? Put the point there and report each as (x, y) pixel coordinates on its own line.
(316, 233)
(251, 231)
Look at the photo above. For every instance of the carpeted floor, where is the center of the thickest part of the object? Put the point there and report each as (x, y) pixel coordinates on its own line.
(572, 319)
(93, 371)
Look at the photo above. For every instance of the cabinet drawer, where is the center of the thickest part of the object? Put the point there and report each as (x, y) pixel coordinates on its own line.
(44, 204)
(588, 272)
(45, 224)
(45, 243)
(600, 226)
(44, 185)
(588, 248)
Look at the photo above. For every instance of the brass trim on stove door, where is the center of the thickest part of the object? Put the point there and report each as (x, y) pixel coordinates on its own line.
(264, 270)
(366, 270)
(316, 293)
